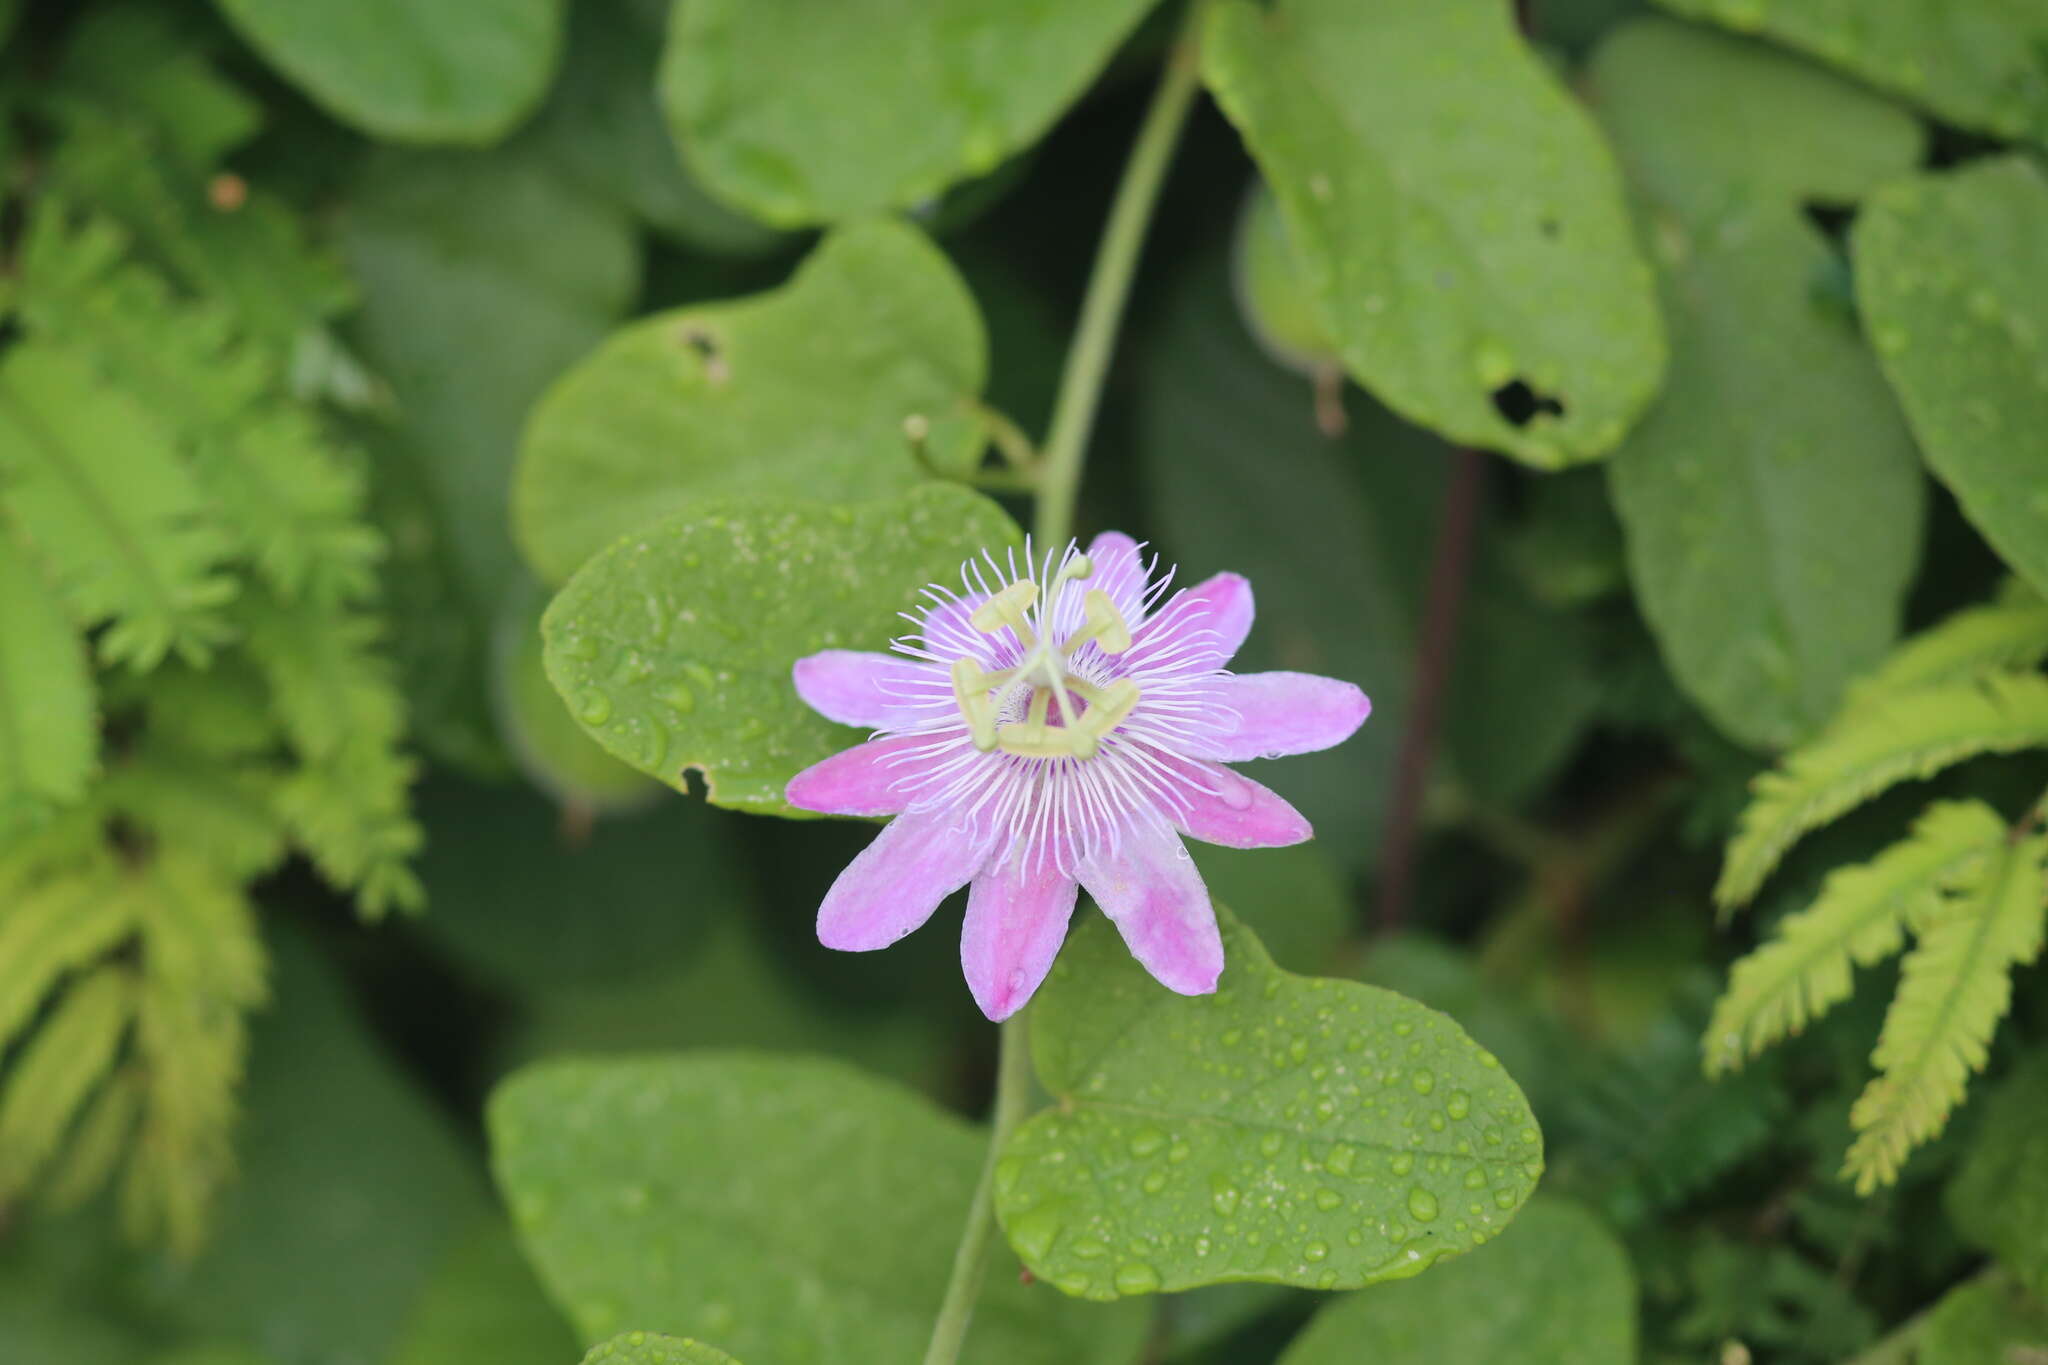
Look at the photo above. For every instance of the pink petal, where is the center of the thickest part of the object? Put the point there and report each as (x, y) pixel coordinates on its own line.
(1119, 572)
(1017, 916)
(854, 687)
(858, 781)
(1281, 713)
(1149, 888)
(1236, 812)
(897, 881)
(1201, 629)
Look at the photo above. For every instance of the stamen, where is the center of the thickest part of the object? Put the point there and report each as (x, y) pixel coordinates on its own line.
(1104, 624)
(970, 691)
(1008, 608)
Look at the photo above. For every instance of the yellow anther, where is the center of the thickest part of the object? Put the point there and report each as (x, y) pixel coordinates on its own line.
(970, 693)
(1008, 608)
(1112, 708)
(1079, 566)
(1103, 624)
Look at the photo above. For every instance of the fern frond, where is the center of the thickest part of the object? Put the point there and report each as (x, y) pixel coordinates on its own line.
(263, 459)
(49, 727)
(69, 1055)
(51, 928)
(2009, 634)
(343, 714)
(223, 811)
(1871, 747)
(1859, 917)
(203, 969)
(97, 1142)
(1955, 986)
(93, 487)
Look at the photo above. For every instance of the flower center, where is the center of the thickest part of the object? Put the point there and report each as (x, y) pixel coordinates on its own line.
(1067, 716)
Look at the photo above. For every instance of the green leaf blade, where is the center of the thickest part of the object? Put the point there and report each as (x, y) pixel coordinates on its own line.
(651, 1348)
(1290, 1129)
(674, 647)
(49, 731)
(1458, 242)
(1998, 1198)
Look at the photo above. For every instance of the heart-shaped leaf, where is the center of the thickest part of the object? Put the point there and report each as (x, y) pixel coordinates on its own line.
(1297, 1129)
(674, 647)
(1458, 219)
(1556, 1289)
(1952, 273)
(1772, 526)
(789, 1208)
(819, 113)
(800, 392)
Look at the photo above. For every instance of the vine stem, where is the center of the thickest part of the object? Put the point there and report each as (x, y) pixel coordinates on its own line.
(1059, 482)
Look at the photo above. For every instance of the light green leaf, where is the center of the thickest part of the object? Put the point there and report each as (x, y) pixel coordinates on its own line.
(1954, 987)
(49, 726)
(1859, 918)
(674, 647)
(603, 127)
(1293, 1129)
(1870, 748)
(1975, 63)
(1772, 499)
(92, 485)
(483, 277)
(1985, 1320)
(649, 1348)
(545, 740)
(803, 113)
(2010, 634)
(410, 73)
(800, 392)
(1457, 216)
(58, 1071)
(52, 925)
(532, 903)
(1998, 1199)
(793, 1209)
(1556, 1289)
(483, 1306)
(1952, 272)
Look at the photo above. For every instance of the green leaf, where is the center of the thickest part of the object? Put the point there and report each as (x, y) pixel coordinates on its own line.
(1459, 221)
(1860, 917)
(1293, 1129)
(649, 1348)
(603, 126)
(532, 904)
(1985, 1320)
(92, 485)
(58, 1071)
(800, 392)
(674, 647)
(1952, 272)
(1556, 1288)
(871, 106)
(51, 925)
(793, 1209)
(353, 1187)
(2008, 635)
(546, 742)
(1772, 527)
(446, 73)
(1998, 1199)
(1974, 63)
(1874, 746)
(483, 1306)
(484, 277)
(1954, 987)
(49, 724)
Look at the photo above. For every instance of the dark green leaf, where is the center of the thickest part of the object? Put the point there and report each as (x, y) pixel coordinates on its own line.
(1999, 1198)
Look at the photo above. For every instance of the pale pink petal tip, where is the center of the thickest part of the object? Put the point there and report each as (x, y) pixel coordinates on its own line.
(1151, 891)
(854, 687)
(1283, 713)
(1017, 916)
(1227, 808)
(863, 780)
(897, 881)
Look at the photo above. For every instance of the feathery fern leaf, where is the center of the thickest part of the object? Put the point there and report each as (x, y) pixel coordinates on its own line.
(52, 928)
(92, 485)
(262, 458)
(1871, 747)
(221, 810)
(1859, 917)
(342, 713)
(69, 1055)
(49, 737)
(1955, 986)
(2008, 634)
(96, 1143)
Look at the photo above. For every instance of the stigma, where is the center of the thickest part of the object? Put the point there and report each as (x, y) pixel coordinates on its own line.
(1066, 715)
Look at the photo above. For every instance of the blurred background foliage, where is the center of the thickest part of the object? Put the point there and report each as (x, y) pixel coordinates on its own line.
(285, 284)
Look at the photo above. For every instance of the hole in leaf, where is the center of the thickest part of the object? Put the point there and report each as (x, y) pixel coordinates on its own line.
(1519, 405)
(694, 785)
(707, 348)
(1548, 227)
